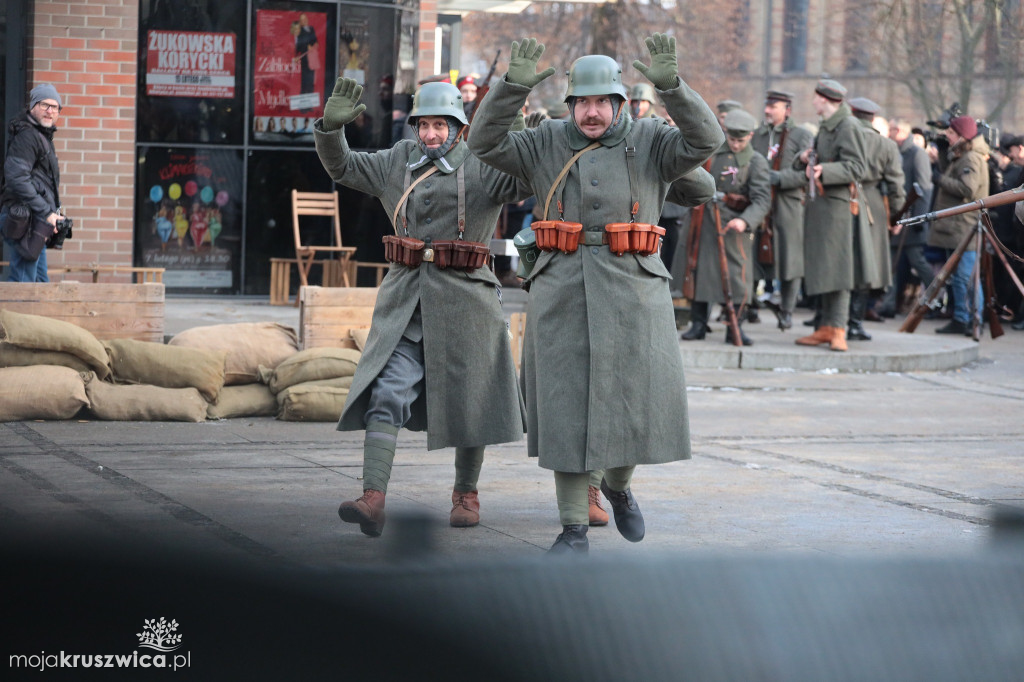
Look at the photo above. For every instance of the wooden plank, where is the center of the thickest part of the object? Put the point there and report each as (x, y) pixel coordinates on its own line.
(333, 296)
(108, 311)
(328, 314)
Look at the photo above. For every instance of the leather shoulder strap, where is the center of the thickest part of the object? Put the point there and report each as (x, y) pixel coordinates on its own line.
(565, 170)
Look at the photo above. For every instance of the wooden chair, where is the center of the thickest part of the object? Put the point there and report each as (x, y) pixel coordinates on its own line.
(325, 204)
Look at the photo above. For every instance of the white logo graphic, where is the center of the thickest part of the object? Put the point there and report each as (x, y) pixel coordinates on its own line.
(158, 635)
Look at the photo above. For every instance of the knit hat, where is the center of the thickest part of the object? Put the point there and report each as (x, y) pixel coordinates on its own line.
(830, 89)
(41, 92)
(965, 127)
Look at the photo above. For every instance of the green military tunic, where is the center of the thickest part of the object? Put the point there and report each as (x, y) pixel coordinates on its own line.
(602, 373)
(788, 209)
(745, 174)
(471, 394)
(882, 178)
(828, 222)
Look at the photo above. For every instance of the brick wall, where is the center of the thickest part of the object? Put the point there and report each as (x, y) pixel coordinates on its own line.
(88, 51)
(427, 24)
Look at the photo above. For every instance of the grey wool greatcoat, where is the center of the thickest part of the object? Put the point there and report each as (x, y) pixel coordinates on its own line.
(746, 174)
(471, 394)
(828, 223)
(882, 178)
(965, 180)
(788, 209)
(602, 373)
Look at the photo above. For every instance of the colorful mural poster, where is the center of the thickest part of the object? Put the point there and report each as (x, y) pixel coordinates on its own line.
(189, 212)
(190, 64)
(289, 72)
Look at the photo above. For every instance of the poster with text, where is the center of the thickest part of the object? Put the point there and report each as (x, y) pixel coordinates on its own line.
(190, 64)
(291, 50)
(189, 217)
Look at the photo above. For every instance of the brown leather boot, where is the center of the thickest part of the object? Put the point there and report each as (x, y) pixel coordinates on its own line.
(465, 509)
(367, 511)
(598, 516)
(821, 335)
(838, 340)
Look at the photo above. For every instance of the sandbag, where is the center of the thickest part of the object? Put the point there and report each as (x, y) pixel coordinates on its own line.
(247, 344)
(309, 365)
(359, 336)
(45, 333)
(142, 402)
(15, 356)
(247, 400)
(147, 362)
(306, 403)
(40, 392)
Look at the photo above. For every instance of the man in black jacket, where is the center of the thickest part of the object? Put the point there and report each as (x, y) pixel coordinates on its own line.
(31, 177)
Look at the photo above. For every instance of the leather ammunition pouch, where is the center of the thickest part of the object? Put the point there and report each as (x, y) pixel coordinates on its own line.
(643, 239)
(457, 254)
(405, 250)
(557, 235)
(736, 202)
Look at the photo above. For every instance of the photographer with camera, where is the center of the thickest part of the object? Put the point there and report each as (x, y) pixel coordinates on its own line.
(30, 218)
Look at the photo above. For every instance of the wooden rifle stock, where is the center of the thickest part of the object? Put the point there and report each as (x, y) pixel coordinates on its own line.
(995, 325)
(923, 303)
(731, 319)
(1008, 197)
(692, 251)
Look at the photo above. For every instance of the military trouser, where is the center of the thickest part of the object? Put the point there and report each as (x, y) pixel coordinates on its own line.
(571, 492)
(835, 308)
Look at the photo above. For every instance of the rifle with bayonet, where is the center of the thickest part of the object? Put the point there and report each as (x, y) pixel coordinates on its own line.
(1008, 197)
(731, 318)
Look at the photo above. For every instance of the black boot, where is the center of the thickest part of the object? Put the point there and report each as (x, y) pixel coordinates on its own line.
(855, 327)
(699, 312)
(785, 320)
(571, 541)
(814, 321)
(744, 339)
(626, 512)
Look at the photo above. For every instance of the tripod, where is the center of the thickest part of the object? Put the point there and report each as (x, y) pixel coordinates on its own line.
(986, 244)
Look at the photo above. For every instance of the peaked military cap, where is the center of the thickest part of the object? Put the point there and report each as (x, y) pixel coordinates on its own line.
(727, 105)
(779, 96)
(830, 89)
(862, 105)
(738, 123)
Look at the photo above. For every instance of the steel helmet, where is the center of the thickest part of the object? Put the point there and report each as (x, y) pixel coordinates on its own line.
(595, 74)
(642, 91)
(437, 99)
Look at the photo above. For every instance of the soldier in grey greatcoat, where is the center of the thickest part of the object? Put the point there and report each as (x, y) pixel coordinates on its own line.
(829, 216)
(437, 357)
(601, 371)
(964, 180)
(742, 200)
(780, 141)
(881, 195)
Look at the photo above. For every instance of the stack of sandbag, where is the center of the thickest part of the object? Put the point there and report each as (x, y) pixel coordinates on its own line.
(40, 362)
(248, 346)
(157, 382)
(312, 385)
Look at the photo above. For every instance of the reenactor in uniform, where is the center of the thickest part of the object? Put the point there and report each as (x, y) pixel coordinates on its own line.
(833, 166)
(780, 141)
(881, 195)
(601, 370)
(724, 107)
(642, 100)
(437, 357)
(742, 201)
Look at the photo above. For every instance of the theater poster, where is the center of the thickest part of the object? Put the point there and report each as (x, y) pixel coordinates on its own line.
(294, 69)
(189, 217)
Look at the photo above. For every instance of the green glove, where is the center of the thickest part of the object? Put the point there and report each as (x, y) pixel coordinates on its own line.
(341, 107)
(522, 63)
(664, 68)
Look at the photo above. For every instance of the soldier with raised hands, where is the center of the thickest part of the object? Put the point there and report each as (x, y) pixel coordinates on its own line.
(437, 357)
(601, 371)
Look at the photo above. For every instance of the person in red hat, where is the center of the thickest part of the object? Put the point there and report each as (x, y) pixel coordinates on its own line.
(964, 180)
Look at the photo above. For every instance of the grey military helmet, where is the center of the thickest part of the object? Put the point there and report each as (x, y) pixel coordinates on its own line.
(595, 74)
(437, 99)
(642, 91)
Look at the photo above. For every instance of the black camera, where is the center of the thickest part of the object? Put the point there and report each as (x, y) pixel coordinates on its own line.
(56, 240)
(942, 122)
(989, 132)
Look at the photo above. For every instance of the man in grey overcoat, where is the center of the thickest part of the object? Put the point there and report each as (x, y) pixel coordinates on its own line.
(602, 373)
(742, 200)
(438, 356)
(829, 216)
(779, 140)
(882, 193)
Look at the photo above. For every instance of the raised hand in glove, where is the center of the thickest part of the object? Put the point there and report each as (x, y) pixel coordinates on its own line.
(664, 68)
(522, 63)
(342, 106)
(535, 118)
